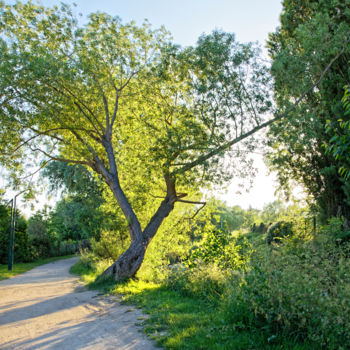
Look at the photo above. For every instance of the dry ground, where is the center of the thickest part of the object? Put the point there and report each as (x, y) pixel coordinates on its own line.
(47, 308)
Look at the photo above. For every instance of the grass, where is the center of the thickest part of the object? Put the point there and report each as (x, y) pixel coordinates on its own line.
(19, 268)
(178, 321)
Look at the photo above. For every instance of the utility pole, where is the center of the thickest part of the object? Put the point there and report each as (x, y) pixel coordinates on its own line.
(12, 233)
(12, 230)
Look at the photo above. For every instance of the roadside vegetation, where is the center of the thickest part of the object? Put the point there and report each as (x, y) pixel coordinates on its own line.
(132, 129)
(243, 290)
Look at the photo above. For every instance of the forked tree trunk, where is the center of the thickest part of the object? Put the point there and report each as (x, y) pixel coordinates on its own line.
(128, 263)
(131, 260)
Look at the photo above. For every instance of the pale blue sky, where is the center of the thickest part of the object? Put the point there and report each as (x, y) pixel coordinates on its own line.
(251, 20)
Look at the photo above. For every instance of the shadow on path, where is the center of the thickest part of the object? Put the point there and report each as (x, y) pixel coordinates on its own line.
(47, 308)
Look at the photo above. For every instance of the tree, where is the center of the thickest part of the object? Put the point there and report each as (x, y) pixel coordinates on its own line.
(42, 242)
(152, 119)
(4, 232)
(22, 244)
(339, 145)
(311, 33)
(78, 214)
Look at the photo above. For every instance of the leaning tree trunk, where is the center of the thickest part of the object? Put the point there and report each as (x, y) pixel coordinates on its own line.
(131, 260)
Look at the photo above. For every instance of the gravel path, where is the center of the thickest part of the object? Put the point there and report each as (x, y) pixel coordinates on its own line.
(47, 308)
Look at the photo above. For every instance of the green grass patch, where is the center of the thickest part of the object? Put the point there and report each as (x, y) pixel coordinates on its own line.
(19, 268)
(179, 321)
(89, 272)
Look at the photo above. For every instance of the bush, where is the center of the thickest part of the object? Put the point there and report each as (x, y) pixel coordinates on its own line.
(207, 282)
(40, 247)
(109, 246)
(301, 292)
(335, 229)
(279, 230)
(22, 243)
(222, 249)
(67, 247)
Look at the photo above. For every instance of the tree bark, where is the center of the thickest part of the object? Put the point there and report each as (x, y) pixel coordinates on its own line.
(128, 263)
(131, 260)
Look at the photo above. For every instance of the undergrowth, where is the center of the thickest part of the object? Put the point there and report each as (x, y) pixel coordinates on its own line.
(293, 294)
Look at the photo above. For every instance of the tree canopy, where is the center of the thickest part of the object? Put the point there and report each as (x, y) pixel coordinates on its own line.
(311, 33)
(152, 119)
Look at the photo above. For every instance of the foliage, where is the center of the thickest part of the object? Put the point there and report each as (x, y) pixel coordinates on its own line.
(301, 288)
(336, 231)
(73, 179)
(205, 282)
(22, 243)
(277, 231)
(4, 233)
(310, 35)
(88, 267)
(78, 214)
(74, 218)
(110, 245)
(187, 311)
(272, 212)
(152, 119)
(41, 240)
(339, 142)
(220, 248)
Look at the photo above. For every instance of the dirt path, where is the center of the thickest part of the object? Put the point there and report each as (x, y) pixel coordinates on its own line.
(47, 308)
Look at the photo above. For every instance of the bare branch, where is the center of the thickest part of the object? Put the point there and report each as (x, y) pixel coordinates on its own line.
(153, 196)
(36, 171)
(60, 159)
(193, 202)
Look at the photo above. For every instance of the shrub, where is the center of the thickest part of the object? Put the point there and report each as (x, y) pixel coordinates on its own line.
(40, 247)
(302, 292)
(222, 249)
(67, 247)
(206, 282)
(109, 246)
(279, 230)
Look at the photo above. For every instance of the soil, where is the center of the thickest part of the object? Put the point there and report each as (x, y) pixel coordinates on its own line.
(47, 308)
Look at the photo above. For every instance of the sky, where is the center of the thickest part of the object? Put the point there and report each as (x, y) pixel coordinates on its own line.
(250, 20)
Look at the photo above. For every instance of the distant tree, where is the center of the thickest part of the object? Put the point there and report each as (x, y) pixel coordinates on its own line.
(78, 214)
(4, 233)
(22, 251)
(41, 241)
(272, 212)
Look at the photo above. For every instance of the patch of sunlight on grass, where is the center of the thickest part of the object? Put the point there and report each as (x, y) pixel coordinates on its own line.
(133, 287)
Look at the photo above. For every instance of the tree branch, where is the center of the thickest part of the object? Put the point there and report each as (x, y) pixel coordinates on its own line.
(229, 144)
(193, 202)
(36, 171)
(60, 159)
